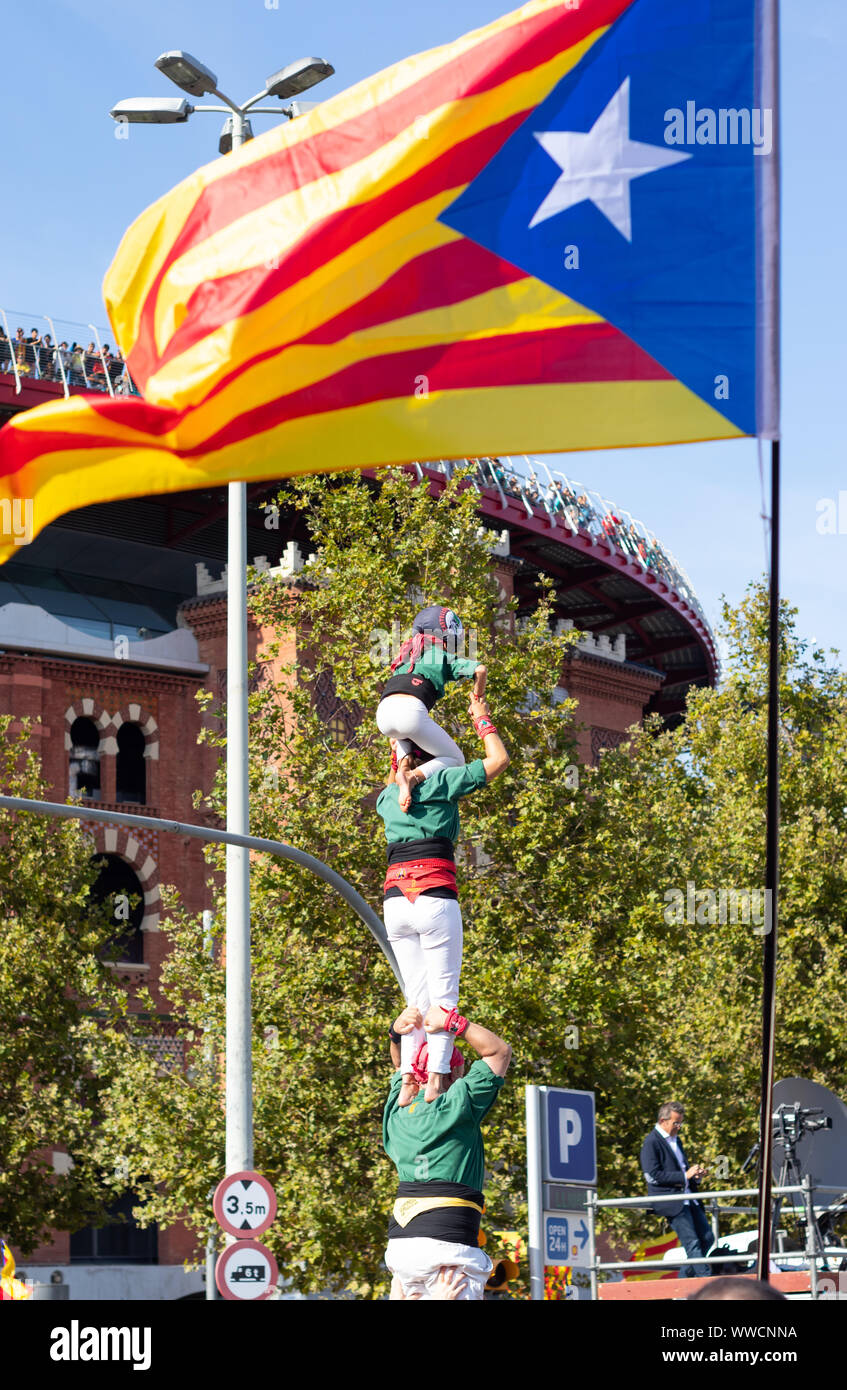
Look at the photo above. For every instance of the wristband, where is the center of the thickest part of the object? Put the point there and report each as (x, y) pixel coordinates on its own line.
(484, 726)
(454, 1023)
(393, 1035)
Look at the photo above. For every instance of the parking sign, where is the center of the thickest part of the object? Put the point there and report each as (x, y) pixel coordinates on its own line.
(570, 1148)
(561, 1171)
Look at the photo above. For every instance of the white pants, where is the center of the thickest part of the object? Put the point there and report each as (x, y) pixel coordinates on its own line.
(417, 1261)
(427, 939)
(407, 719)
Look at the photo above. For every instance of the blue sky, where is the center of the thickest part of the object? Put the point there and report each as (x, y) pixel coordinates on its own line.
(70, 189)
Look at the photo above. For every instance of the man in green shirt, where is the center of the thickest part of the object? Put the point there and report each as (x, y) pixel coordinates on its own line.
(437, 1149)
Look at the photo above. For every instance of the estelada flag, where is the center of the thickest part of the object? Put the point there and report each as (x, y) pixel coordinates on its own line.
(556, 233)
(654, 1250)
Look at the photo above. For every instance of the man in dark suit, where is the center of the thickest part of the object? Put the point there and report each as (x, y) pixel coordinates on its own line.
(667, 1170)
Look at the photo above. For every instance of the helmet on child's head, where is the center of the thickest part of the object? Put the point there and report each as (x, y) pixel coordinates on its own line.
(438, 620)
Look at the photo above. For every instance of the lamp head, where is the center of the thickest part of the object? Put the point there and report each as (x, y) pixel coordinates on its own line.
(225, 141)
(187, 72)
(152, 110)
(298, 77)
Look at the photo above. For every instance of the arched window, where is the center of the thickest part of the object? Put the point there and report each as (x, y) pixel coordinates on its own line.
(131, 769)
(118, 886)
(84, 775)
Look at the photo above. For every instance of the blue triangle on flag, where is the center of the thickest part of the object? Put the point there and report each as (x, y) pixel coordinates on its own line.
(631, 189)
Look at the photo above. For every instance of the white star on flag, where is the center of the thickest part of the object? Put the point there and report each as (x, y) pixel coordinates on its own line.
(600, 165)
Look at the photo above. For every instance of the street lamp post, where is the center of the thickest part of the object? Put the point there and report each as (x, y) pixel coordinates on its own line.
(195, 78)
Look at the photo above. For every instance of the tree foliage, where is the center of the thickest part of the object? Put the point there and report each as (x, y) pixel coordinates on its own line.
(570, 950)
(58, 1001)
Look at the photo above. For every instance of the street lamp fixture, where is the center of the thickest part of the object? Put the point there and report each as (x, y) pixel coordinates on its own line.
(196, 79)
(299, 108)
(152, 110)
(225, 141)
(298, 77)
(187, 72)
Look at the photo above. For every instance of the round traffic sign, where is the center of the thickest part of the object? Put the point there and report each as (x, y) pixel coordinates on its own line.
(247, 1271)
(244, 1204)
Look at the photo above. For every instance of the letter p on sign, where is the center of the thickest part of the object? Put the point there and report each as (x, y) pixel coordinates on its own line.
(569, 1144)
(570, 1131)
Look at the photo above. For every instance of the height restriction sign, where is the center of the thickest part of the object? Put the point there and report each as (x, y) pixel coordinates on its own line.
(244, 1204)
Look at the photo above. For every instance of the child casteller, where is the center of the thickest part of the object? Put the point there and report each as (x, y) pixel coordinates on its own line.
(426, 662)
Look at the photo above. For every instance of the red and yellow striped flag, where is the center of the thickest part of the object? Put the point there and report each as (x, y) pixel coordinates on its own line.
(654, 1250)
(301, 306)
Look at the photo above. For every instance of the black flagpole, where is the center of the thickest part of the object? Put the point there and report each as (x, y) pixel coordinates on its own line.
(771, 886)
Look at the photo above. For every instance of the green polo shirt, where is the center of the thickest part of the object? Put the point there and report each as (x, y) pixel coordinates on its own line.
(439, 667)
(434, 812)
(440, 1140)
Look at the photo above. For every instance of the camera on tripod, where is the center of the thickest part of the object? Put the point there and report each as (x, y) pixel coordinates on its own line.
(791, 1122)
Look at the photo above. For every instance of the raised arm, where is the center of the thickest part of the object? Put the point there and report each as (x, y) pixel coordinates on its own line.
(496, 759)
(493, 1050)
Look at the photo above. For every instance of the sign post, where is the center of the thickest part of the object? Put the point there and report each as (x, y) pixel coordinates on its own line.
(245, 1207)
(535, 1187)
(561, 1168)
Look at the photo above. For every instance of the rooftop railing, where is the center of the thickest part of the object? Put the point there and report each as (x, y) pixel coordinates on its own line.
(571, 506)
(77, 356)
(812, 1217)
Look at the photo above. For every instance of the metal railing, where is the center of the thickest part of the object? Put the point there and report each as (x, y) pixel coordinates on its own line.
(77, 356)
(805, 1210)
(570, 505)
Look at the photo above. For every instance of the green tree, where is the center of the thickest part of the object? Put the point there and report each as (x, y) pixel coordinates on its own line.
(58, 1001)
(572, 949)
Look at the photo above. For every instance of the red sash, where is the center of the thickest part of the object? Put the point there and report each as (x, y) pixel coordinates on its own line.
(413, 878)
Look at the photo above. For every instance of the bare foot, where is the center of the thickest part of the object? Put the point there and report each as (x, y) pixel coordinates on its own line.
(408, 1090)
(404, 789)
(436, 1085)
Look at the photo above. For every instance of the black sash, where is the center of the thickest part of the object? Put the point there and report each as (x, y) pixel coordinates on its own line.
(407, 683)
(459, 1225)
